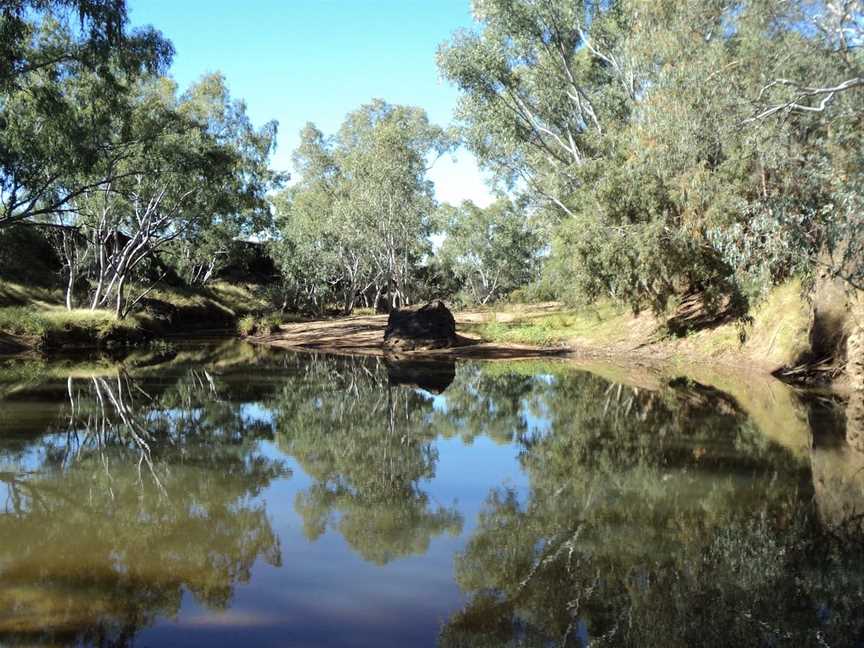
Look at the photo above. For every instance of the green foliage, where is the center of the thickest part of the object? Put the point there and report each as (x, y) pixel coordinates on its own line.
(652, 132)
(19, 320)
(259, 325)
(235, 204)
(357, 222)
(65, 82)
(490, 251)
(101, 25)
(246, 325)
(94, 139)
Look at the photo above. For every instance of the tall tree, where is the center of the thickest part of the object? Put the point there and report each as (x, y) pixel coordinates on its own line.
(685, 146)
(362, 208)
(64, 94)
(197, 165)
(491, 251)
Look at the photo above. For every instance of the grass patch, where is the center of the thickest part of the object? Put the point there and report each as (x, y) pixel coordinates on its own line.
(781, 324)
(260, 325)
(35, 317)
(602, 323)
(240, 298)
(23, 320)
(56, 327)
(16, 294)
(776, 334)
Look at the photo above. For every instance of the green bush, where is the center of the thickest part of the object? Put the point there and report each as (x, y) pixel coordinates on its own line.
(246, 325)
(644, 265)
(261, 325)
(20, 320)
(269, 324)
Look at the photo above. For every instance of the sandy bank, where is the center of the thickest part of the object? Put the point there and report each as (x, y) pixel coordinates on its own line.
(364, 335)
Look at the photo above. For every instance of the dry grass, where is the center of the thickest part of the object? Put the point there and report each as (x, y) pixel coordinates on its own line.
(550, 324)
(776, 334)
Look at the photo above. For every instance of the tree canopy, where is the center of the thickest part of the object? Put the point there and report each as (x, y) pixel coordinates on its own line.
(358, 219)
(682, 145)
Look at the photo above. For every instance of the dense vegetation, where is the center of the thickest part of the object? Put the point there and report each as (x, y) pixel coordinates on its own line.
(643, 152)
(677, 145)
(129, 180)
(653, 150)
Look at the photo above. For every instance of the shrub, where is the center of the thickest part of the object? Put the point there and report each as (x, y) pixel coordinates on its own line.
(262, 325)
(269, 323)
(246, 325)
(20, 320)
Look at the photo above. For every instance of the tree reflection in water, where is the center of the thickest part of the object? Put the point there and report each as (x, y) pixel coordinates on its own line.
(659, 517)
(654, 519)
(133, 499)
(367, 441)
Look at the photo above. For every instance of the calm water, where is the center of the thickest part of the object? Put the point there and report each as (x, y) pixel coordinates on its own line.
(223, 494)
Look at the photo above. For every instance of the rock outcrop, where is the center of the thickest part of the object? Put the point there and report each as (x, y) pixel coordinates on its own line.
(429, 327)
(432, 375)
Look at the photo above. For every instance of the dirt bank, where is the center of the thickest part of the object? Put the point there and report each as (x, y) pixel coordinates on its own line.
(364, 335)
(780, 337)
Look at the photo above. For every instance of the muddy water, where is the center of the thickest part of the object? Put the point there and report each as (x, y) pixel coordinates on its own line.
(223, 494)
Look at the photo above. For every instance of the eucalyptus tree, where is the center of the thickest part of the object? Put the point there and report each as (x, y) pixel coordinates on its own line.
(684, 146)
(325, 255)
(198, 165)
(539, 93)
(236, 200)
(771, 192)
(63, 87)
(100, 26)
(360, 214)
(384, 155)
(491, 251)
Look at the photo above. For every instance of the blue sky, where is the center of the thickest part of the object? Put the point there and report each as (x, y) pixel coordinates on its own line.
(316, 60)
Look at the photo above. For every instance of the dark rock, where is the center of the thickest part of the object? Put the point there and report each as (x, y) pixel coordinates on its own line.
(429, 327)
(432, 375)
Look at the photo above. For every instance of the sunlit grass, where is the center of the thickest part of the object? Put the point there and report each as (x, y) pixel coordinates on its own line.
(55, 325)
(776, 333)
(260, 325)
(600, 323)
(16, 294)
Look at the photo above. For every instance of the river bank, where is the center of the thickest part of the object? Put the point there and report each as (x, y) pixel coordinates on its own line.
(786, 335)
(34, 319)
(776, 339)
